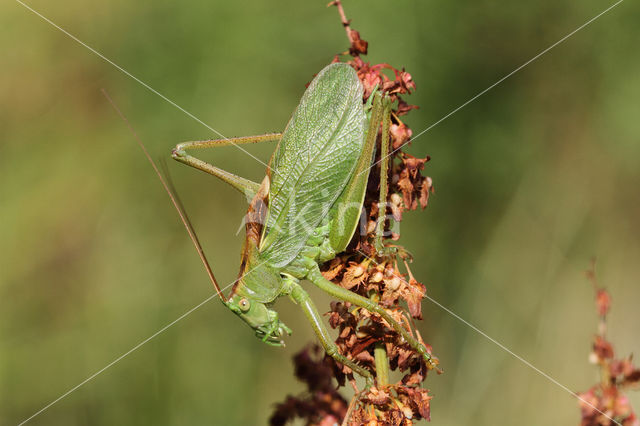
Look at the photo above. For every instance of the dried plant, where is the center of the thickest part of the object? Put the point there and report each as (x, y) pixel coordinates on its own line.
(605, 404)
(373, 273)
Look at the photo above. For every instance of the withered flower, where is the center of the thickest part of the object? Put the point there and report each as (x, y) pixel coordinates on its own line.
(362, 335)
(605, 404)
(322, 404)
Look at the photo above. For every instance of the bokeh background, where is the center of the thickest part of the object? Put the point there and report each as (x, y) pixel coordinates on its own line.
(532, 180)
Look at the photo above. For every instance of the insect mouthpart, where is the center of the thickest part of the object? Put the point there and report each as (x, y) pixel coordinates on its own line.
(258, 316)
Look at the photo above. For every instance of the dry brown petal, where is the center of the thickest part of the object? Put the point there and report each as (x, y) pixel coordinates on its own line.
(414, 378)
(587, 401)
(416, 398)
(400, 134)
(355, 274)
(411, 183)
(622, 367)
(346, 332)
(406, 186)
(407, 81)
(406, 411)
(363, 416)
(602, 348)
(340, 314)
(632, 420)
(422, 399)
(622, 407)
(414, 164)
(396, 206)
(377, 396)
(404, 108)
(389, 297)
(404, 357)
(425, 190)
(632, 378)
(358, 46)
(333, 270)
(373, 212)
(365, 358)
(413, 294)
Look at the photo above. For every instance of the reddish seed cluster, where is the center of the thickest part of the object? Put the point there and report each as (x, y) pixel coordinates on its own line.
(364, 270)
(406, 178)
(321, 404)
(605, 403)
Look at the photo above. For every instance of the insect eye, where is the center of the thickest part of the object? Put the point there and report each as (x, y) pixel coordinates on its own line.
(244, 305)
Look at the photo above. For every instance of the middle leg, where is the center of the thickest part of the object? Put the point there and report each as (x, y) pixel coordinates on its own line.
(315, 276)
(302, 298)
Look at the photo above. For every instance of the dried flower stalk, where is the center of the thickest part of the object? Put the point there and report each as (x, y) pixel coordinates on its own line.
(606, 403)
(363, 336)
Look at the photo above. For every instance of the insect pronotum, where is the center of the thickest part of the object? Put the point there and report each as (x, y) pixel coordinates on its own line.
(307, 207)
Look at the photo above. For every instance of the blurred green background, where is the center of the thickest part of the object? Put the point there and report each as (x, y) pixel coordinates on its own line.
(532, 180)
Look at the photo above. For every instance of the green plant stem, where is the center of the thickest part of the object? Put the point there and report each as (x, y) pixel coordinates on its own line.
(382, 364)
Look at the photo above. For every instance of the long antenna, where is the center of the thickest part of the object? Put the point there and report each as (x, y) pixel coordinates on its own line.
(174, 200)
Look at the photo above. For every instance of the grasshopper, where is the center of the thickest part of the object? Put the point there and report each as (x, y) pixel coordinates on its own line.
(306, 209)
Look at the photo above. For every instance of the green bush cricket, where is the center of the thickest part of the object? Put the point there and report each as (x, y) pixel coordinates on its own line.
(307, 207)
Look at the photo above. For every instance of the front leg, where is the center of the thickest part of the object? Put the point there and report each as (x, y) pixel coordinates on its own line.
(246, 186)
(302, 298)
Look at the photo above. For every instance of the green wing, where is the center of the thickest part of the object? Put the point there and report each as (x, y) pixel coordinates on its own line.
(314, 161)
